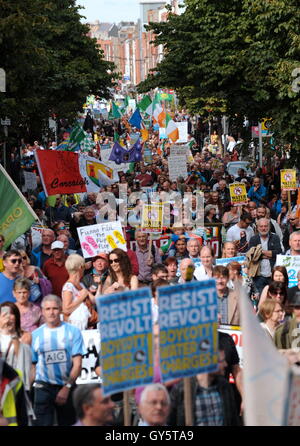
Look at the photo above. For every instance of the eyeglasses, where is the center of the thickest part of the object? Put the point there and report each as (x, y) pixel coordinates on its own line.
(111, 261)
(156, 402)
(14, 261)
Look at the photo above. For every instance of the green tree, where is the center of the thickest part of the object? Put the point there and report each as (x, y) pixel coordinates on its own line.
(234, 57)
(51, 64)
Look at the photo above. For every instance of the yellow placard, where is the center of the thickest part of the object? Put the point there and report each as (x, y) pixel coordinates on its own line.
(152, 217)
(288, 179)
(238, 193)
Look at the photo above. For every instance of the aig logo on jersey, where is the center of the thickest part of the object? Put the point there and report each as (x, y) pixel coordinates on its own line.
(55, 356)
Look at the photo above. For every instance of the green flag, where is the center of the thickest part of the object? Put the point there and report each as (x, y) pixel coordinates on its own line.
(126, 103)
(76, 136)
(16, 215)
(144, 103)
(87, 143)
(131, 168)
(116, 137)
(115, 111)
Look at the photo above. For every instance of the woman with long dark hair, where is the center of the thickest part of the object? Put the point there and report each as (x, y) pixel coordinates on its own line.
(120, 276)
(279, 274)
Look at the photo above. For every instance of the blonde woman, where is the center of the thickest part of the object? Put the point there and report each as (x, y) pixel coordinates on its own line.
(76, 299)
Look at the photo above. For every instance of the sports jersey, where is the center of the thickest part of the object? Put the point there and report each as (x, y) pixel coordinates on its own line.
(52, 352)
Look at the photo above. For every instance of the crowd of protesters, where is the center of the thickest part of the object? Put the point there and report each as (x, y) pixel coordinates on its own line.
(48, 290)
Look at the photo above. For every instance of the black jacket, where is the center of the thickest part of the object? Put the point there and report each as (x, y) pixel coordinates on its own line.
(274, 245)
(176, 417)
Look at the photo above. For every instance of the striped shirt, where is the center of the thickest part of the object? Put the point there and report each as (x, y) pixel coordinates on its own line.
(52, 352)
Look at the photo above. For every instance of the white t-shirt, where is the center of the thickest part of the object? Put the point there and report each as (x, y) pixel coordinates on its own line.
(234, 233)
(201, 274)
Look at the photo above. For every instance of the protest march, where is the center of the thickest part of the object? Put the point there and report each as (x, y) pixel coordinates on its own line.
(143, 264)
(149, 217)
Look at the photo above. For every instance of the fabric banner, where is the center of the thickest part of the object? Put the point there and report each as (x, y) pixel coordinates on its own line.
(103, 237)
(92, 342)
(238, 193)
(16, 215)
(188, 329)
(292, 265)
(265, 372)
(126, 340)
(105, 155)
(68, 173)
(288, 179)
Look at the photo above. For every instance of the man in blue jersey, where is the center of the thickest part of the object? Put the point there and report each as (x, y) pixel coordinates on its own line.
(57, 350)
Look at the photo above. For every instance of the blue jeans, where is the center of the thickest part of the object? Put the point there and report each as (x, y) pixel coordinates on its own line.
(45, 407)
(260, 282)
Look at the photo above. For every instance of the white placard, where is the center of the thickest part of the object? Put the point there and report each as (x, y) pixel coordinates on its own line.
(183, 131)
(292, 264)
(103, 237)
(177, 149)
(92, 344)
(177, 167)
(30, 181)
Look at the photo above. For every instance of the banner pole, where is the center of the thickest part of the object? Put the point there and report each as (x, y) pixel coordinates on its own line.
(187, 401)
(126, 409)
(289, 201)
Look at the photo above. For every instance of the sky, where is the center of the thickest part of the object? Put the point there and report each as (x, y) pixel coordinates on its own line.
(112, 11)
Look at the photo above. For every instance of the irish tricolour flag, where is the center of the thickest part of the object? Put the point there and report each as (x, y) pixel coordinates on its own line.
(171, 129)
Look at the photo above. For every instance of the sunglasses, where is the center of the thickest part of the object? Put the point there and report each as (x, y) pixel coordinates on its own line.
(62, 227)
(24, 258)
(14, 261)
(114, 261)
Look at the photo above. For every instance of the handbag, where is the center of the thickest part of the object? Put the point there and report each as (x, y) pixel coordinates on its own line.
(46, 286)
(93, 319)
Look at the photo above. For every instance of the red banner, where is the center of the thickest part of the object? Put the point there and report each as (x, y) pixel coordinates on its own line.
(59, 171)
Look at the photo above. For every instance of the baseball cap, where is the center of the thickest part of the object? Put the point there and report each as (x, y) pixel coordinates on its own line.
(101, 255)
(57, 245)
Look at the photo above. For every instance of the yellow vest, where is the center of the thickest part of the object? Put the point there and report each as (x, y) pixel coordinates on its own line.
(1, 265)
(8, 401)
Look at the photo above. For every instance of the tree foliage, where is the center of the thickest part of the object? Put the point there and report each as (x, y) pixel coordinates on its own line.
(234, 57)
(51, 64)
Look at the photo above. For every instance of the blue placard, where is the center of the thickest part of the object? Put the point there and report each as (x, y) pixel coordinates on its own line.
(188, 329)
(126, 340)
(224, 262)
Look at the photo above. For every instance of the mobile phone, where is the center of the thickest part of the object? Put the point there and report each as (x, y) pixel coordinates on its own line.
(5, 310)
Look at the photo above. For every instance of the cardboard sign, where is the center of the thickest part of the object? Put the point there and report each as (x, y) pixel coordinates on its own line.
(288, 179)
(103, 237)
(183, 131)
(91, 339)
(177, 167)
(126, 340)
(147, 155)
(30, 180)
(188, 329)
(238, 193)
(152, 218)
(292, 264)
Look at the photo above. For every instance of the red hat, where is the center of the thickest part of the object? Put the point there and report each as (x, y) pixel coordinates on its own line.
(101, 255)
